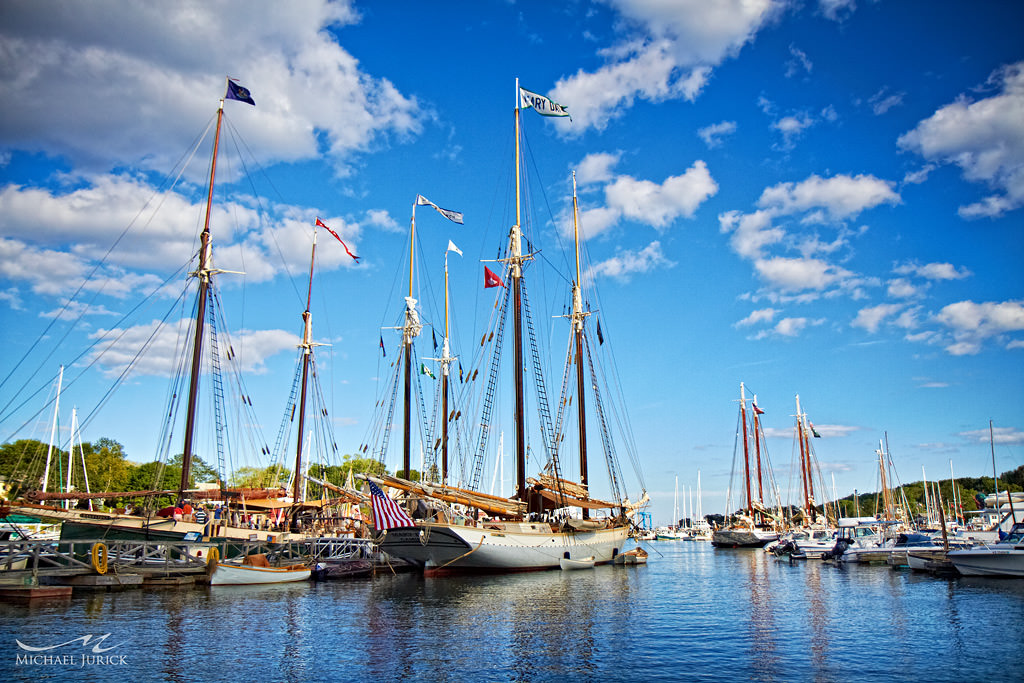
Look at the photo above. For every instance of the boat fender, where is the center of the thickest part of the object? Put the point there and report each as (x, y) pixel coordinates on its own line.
(99, 558)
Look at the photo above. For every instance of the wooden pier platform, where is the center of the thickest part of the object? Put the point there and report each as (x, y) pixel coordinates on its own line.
(27, 594)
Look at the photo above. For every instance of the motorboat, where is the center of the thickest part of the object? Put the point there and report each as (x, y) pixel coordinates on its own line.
(1005, 558)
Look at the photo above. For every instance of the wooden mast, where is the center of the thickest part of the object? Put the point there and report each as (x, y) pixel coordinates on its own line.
(746, 449)
(516, 273)
(886, 495)
(307, 351)
(203, 272)
(578, 316)
(445, 364)
(801, 435)
(757, 449)
(410, 330)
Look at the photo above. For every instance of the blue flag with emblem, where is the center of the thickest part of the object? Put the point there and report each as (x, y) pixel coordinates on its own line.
(237, 92)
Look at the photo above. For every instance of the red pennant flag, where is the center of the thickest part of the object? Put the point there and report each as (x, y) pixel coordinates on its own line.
(321, 224)
(757, 410)
(491, 280)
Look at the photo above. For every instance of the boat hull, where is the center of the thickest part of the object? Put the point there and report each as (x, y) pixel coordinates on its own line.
(989, 561)
(742, 538)
(528, 547)
(243, 575)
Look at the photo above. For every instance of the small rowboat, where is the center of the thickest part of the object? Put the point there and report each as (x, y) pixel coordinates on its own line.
(583, 563)
(239, 575)
(635, 556)
(254, 569)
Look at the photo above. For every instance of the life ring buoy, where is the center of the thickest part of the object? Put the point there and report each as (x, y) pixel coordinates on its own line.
(213, 556)
(99, 558)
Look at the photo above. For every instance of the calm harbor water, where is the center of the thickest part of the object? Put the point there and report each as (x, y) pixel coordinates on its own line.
(693, 613)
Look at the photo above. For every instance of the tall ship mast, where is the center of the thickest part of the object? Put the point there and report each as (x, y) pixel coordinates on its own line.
(548, 518)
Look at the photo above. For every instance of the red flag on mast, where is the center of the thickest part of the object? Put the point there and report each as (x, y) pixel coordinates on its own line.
(321, 224)
(491, 280)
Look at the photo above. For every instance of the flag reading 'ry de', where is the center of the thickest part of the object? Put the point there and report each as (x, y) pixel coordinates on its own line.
(540, 104)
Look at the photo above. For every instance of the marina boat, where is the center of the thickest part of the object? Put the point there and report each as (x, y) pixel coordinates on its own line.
(635, 556)
(1005, 558)
(203, 347)
(907, 541)
(755, 525)
(931, 560)
(254, 569)
(567, 564)
(744, 533)
(812, 543)
(549, 517)
(670, 533)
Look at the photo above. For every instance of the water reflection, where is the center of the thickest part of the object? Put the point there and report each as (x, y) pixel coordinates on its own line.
(763, 629)
(691, 613)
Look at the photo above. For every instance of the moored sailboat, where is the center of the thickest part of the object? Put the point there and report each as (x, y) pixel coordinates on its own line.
(755, 525)
(549, 518)
(174, 523)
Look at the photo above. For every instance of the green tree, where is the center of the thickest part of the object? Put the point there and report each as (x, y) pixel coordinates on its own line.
(362, 465)
(106, 465)
(259, 477)
(23, 462)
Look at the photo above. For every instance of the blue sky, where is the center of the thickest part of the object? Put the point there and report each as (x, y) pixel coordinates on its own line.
(814, 198)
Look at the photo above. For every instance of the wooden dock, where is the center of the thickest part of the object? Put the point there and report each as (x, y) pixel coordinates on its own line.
(36, 570)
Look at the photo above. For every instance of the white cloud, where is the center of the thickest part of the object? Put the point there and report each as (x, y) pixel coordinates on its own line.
(712, 135)
(933, 271)
(835, 431)
(1005, 436)
(752, 232)
(158, 348)
(799, 63)
(790, 218)
(132, 68)
(667, 52)
(659, 205)
(764, 315)
(626, 263)
(593, 221)
(841, 196)
(644, 201)
(984, 138)
(796, 274)
(919, 176)
(973, 323)
(872, 317)
(792, 327)
(596, 168)
(901, 288)
(52, 273)
(837, 10)
(791, 127)
(101, 223)
(883, 100)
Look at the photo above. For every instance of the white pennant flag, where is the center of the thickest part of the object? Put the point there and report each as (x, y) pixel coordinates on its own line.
(454, 216)
(541, 104)
(452, 247)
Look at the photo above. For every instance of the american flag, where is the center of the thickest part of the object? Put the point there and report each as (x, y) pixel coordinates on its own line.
(386, 512)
